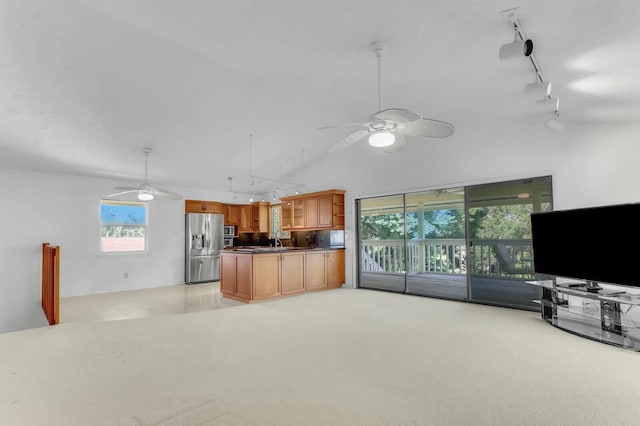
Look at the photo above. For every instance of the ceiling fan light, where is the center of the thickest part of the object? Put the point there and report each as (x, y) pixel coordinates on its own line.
(381, 139)
(145, 196)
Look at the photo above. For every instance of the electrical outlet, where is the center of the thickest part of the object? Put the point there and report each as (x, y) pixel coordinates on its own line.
(126, 275)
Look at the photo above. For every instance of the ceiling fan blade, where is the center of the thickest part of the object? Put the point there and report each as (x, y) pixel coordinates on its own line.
(428, 128)
(398, 115)
(400, 144)
(163, 193)
(339, 126)
(349, 140)
(117, 194)
(128, 188)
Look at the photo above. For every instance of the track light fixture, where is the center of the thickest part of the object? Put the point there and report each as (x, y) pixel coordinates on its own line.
(516, 49)
(549, 105)
(554, 123)
(540, 88)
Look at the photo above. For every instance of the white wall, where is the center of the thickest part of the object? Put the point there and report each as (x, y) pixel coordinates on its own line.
(590, 165)
(65, 210)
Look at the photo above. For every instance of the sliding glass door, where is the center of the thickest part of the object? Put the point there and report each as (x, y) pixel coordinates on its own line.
(381, 231)
(467, 243)
(436, 247)
(501, 258)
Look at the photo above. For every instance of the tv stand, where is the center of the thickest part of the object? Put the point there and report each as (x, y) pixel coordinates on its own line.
(592, 286)
(602, 312)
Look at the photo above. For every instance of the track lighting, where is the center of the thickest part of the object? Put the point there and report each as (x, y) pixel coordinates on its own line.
(538, 90)
(516, 49)
(550, 105)
(381, 139)
(541, 88)
(555, 124)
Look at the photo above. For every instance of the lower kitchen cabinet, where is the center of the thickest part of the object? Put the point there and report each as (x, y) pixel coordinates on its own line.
(236, 276)
(257, 276)
(266, 276)
(315, 271)
(335, 273)
(325, 269)
(292, 275)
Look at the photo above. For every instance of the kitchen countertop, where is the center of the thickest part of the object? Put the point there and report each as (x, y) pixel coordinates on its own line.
(264, 249)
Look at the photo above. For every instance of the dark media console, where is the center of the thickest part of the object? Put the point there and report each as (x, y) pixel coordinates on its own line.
(604, 313)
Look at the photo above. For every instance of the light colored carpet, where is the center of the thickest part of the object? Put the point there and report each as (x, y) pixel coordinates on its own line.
(339, 357)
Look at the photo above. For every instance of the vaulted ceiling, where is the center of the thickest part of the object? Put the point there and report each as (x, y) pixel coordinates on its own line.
(85, 84)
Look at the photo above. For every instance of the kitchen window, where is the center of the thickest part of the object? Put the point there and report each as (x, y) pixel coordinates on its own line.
(123, 226)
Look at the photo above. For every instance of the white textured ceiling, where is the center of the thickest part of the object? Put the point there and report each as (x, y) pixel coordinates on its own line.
(85, 84)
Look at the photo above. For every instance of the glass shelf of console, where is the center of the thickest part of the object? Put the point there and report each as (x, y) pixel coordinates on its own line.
(604, 313)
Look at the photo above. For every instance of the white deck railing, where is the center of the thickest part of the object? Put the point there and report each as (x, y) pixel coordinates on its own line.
(448, 256)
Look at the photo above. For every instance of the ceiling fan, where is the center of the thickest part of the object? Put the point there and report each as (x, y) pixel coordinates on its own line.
(145, 191)
(388, 129)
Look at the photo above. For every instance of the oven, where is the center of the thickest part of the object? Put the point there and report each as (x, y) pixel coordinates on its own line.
(229, 231)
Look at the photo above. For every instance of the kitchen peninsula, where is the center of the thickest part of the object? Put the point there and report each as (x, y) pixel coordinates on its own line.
(250, 274)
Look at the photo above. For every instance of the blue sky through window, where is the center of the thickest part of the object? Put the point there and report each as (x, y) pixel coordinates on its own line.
(123, 214)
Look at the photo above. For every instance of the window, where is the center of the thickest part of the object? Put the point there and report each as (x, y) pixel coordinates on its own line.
(123, 226)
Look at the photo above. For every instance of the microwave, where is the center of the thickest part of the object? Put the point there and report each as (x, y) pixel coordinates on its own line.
(229, 231)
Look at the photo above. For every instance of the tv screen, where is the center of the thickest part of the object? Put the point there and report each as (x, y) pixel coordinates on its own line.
(599, 244)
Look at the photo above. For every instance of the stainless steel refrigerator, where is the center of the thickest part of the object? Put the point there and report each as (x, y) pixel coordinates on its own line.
(203, 242)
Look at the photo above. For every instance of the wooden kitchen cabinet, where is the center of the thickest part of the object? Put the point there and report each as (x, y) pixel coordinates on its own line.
(298, 213)
(287, 215)
(199, 206)
(324, 269)
(236, 276)
(319, 210)
(311, 212)
(266, 276)
(245, 218)
(231, 214)
(335, 264)
(325, 211)
(315, 270)
(260, 216)
(248, 277)
(292, 273)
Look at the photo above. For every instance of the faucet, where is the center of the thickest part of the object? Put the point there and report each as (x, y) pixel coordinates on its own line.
(276, 240)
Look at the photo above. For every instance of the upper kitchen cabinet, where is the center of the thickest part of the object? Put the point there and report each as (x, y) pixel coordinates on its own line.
(318, 210)
(245, 218)
(253, 217)
(260, 216)
(231, 214)
(199, 206)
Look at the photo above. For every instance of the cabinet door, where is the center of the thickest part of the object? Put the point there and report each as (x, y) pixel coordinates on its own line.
(212, 207)
(244, 276)
(325, 211)
(228, 274)
(298, 213)
(287, 215)
(195, 206)
(266, 276)
(311, 212)
(315, 271)
(335, 268)
(246, 219)
(232, 214)
(292, 274)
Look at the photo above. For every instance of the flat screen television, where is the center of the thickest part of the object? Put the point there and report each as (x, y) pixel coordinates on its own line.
(596, 244)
